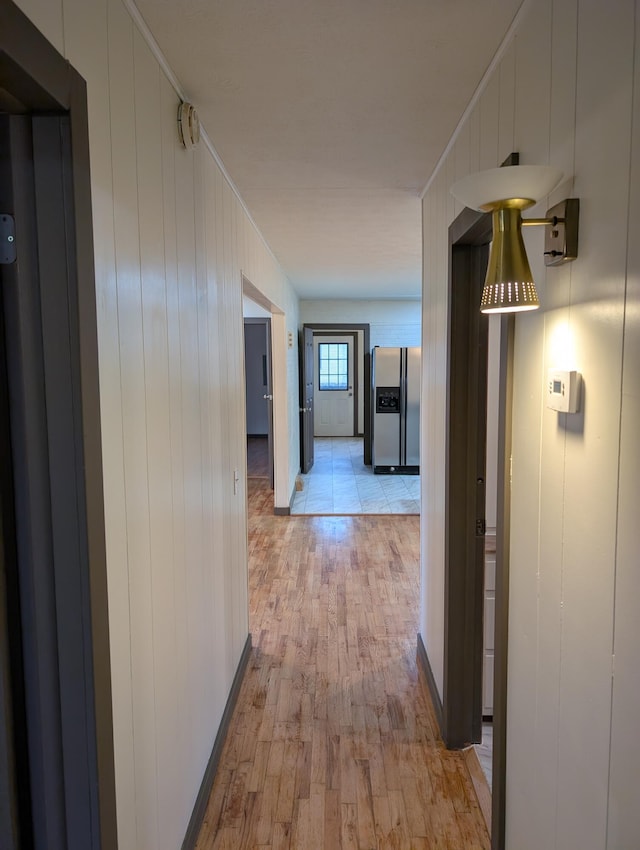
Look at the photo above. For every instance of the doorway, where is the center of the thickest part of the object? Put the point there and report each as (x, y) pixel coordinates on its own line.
(361, 381)
(468, 551)
(255, 305)
(335, 389)
(337, 476)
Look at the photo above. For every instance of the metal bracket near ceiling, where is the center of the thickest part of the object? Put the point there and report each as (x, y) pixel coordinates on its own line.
(188, 125)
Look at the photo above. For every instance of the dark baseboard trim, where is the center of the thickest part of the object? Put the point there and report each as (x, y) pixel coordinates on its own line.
(200, 807)
(286, 511)
(424, 667)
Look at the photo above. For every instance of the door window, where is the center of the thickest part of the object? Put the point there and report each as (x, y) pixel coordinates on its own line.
(333, 365)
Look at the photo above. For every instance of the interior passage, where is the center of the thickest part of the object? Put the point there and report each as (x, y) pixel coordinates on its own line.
(333, 743)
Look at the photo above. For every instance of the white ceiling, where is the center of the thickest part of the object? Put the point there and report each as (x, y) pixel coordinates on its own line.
(330, 116)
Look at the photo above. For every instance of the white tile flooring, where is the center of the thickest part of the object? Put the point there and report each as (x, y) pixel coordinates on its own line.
(340, 483)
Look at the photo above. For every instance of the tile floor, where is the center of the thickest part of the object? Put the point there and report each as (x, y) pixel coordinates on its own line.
(340, 483)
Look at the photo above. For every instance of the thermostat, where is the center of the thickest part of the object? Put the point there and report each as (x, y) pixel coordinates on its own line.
(563, 390)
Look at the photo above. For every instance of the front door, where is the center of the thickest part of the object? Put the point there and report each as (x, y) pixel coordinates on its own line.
(333, 381)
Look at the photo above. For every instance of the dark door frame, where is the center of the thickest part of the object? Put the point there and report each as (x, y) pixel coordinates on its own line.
(465, 492)
(59, 313)
(467, 234)
(341, 328)
(266, 321)
(470, 231)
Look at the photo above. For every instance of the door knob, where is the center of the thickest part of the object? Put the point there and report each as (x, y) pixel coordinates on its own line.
(304, 410)
(268, 396)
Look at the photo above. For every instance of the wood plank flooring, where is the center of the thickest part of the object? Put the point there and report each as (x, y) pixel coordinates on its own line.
(257, 456)
(333, 744)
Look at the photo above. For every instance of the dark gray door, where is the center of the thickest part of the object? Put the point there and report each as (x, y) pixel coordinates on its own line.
(15, 817)
(45, 550)
(306, 399)
(259, 386)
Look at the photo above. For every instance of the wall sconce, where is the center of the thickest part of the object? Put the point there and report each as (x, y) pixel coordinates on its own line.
(505, 192)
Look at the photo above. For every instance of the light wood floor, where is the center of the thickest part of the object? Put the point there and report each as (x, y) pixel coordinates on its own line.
(333, 744)
(257, 456)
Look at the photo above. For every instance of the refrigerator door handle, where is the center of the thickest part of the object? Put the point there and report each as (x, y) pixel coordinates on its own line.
(403, 406)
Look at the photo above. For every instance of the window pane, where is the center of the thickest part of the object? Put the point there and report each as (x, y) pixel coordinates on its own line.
(333, 365)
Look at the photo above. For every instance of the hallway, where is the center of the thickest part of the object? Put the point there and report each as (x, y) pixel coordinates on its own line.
(333, 743)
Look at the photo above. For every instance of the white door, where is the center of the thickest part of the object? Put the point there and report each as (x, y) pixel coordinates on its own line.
(333, 373)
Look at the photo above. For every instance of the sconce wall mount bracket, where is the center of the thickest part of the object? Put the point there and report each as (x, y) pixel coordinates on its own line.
(561, 233)
(560, 223)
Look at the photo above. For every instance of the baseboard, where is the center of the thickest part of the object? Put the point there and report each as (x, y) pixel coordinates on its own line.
(200, 807)
(286, 511)
(425, 667)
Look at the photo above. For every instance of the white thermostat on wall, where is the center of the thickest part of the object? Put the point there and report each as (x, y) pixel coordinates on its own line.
(563, 390)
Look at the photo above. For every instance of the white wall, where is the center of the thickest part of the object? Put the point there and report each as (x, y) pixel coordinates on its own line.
(391, 322)
(171, 242)
(251, 310)
(566, 92)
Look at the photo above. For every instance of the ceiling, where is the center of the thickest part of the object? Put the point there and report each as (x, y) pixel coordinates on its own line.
(330, 116)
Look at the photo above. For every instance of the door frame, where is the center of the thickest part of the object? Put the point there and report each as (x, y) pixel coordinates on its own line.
(472, 229)
(340, 328)
(37, 79)
(465, 471)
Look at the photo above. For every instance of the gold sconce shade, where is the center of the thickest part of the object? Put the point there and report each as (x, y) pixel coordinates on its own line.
(509, 285)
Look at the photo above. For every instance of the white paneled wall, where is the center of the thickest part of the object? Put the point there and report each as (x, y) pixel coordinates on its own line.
(562, 93)
(172, 241)
(394, 323)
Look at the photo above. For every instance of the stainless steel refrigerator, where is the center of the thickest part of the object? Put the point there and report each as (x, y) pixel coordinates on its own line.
(396, 410)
